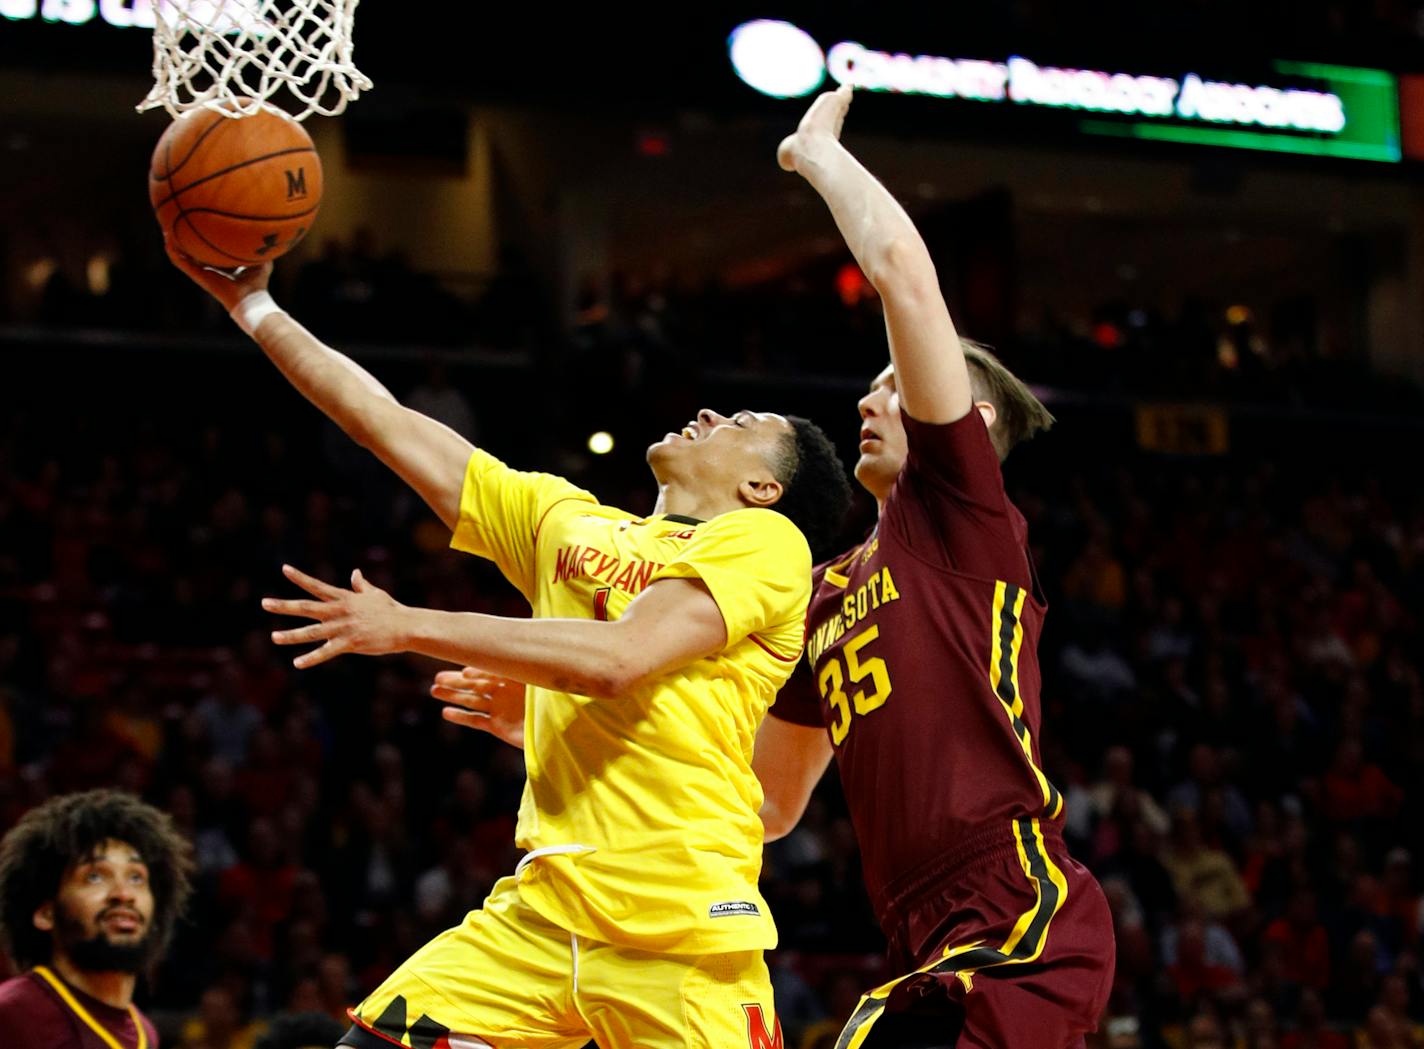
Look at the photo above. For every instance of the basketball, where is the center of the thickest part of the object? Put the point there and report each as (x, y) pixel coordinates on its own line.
(235, 191)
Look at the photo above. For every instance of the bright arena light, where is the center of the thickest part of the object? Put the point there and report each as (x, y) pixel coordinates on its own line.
(600, 443)
(777, 58)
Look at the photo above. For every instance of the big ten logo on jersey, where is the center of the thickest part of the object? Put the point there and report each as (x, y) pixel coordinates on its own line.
(686, 534)
(296, 183)
(758, 1037)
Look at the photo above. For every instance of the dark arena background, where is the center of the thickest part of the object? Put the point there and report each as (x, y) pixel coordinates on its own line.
(543, 226)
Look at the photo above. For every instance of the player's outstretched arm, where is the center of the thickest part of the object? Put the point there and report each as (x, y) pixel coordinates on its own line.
(789, 760)
(604, 660)
(427, 455)
(930, 371)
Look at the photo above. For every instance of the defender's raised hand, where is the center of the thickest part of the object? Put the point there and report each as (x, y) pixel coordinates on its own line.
(822, 123)
(364, 620)
(483, 701)
(930, 376)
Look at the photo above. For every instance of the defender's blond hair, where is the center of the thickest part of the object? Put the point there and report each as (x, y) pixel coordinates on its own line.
(1020, 414)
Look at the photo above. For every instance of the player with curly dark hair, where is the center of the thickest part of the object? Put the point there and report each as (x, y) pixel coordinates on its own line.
(91, 886)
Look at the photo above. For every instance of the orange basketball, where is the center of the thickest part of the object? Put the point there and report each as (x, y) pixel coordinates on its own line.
(235, 191)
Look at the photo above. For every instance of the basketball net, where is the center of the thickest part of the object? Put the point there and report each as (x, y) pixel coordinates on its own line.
(231, 56)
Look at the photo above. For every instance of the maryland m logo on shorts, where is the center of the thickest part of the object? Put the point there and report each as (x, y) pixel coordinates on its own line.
(757, 1035)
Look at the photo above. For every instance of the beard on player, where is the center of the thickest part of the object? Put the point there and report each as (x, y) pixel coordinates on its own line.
(93, 947)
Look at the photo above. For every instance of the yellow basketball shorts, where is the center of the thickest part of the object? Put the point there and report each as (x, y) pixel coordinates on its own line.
(508, 979)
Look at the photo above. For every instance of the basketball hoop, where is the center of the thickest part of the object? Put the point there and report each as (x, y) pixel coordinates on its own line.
(231, 56)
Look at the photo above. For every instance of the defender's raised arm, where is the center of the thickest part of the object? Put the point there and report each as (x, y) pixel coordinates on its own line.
(931, 373)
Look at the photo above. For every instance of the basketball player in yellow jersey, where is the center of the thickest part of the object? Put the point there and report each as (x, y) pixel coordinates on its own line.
(657, 645)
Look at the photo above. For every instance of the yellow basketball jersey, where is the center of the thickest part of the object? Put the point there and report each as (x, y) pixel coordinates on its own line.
(654, 789)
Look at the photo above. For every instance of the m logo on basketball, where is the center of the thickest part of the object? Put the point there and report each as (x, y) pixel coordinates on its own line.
(297, 183)
(757, 1036)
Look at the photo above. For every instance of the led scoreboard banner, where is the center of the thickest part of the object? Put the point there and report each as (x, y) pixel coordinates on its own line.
(125, 14)
(134, 14)
(1303, 108)
(1318, 110)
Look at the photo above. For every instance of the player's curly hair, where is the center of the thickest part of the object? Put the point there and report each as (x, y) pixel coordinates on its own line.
(816, 493)
(66, 830)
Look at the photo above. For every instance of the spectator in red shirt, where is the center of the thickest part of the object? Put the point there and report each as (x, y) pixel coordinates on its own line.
(1357, 982)
(334, 986)
(1303, 942)
(260, 886)
(1357, 790)
(264, 681)
(1310, 1031)
(1397, 903)
(91, 754)
(265, 781)
(1192, 975)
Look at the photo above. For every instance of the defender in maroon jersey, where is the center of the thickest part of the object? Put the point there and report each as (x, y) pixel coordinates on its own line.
(91, 885)
(922, 646)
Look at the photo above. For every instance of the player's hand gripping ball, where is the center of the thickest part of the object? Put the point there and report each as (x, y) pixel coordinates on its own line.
(235, 191)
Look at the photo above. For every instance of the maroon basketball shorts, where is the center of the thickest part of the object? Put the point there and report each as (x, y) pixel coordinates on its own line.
(1010, 947)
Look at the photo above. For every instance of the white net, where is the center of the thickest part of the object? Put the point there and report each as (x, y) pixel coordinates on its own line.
(233, 55)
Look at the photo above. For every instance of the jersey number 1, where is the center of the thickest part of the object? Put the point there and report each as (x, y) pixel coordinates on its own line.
(832, 680)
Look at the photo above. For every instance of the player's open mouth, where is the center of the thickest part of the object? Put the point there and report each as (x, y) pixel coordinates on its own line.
(867, 435)
(122, 921)
(687, 433)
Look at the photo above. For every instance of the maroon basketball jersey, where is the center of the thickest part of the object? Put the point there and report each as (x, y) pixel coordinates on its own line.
(34, 1015)
(922, 645)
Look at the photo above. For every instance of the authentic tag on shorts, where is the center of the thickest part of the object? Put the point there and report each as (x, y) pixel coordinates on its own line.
(733, 909)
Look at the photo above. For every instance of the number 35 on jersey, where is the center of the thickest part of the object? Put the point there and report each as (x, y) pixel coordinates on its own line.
(854, 681)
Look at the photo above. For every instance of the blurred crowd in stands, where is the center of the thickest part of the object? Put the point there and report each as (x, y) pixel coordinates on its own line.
(648, 328)
(1250, 635)
(1233, 703)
